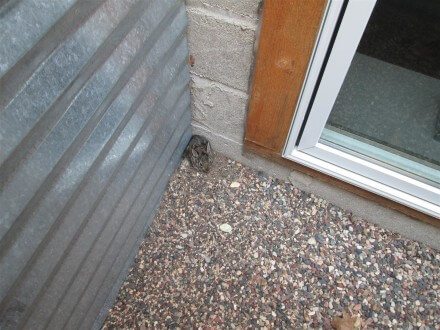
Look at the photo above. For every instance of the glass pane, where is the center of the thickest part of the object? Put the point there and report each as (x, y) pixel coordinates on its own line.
(388, 109)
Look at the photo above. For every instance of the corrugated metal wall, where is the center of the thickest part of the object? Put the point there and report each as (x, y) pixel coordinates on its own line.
(94, 116)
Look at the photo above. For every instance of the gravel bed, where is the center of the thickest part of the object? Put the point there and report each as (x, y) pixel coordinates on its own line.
(235, 248)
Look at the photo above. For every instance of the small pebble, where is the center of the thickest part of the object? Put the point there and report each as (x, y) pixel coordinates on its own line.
(226, 228)
(311, 241)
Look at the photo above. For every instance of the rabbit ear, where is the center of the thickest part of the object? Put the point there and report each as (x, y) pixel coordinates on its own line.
(208, 148)
(194, 152)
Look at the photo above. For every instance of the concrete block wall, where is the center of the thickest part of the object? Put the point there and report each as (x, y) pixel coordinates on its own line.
(221, 36)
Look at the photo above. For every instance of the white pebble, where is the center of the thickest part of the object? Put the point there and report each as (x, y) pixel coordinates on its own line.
(311, 241)
(235, 184)
(226, 228)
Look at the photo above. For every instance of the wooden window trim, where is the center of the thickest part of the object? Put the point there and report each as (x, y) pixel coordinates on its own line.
(287, 37)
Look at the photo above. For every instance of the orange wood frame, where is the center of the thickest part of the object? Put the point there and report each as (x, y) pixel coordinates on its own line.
(287, 37)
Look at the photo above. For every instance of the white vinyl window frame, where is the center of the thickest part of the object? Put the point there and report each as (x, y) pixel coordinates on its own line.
(308, 151)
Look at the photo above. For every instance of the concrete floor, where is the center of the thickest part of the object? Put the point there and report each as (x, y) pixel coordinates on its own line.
(235, 248)
(391, 106)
